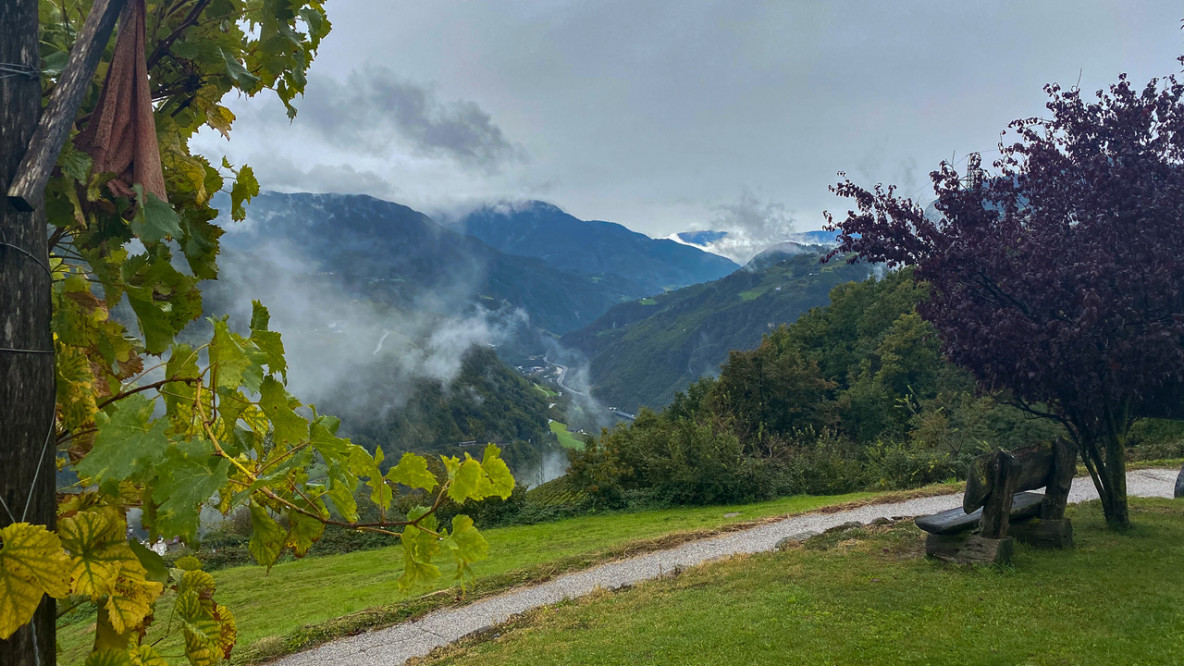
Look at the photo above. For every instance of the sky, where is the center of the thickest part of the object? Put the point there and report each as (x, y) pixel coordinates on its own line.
(670, 116)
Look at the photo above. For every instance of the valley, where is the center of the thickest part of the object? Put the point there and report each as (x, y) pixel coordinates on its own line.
(393, 304)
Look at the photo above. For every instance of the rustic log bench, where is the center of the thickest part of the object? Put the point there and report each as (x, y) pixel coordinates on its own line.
(994, 511)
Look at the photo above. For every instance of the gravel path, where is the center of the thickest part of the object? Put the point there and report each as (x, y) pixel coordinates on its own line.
(395, 645)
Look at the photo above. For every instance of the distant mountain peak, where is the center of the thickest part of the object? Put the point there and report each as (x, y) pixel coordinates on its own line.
(518, 207)
(593, 248)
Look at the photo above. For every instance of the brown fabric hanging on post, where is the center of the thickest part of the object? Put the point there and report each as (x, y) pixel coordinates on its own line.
(121, 134)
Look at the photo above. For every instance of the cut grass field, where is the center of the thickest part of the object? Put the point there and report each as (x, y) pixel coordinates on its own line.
(299, 604)
(871, 596)
(566, 439)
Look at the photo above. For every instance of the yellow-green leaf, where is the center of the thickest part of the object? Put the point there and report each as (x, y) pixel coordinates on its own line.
(466, 545)
(267, 538)
(32, 563)
(501, 481)
(466, 483)
(132, 598)
(412, 470)
(109, 657)
(96, 541)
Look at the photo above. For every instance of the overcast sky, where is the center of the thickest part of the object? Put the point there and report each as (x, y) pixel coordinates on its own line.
(678, 115)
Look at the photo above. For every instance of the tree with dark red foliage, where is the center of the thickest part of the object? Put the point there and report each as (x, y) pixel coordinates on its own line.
(1059, 279)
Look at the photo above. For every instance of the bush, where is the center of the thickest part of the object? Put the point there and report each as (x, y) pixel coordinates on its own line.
(1156, 439)
(894, 466)
(826, 466)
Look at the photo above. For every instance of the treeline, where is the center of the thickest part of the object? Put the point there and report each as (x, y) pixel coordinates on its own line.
(853, 395)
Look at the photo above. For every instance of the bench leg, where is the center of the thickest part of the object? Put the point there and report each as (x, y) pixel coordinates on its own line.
(967, 548)
(1044, 533)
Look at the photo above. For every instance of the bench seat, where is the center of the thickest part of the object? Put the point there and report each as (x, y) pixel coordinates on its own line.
(1023, 506)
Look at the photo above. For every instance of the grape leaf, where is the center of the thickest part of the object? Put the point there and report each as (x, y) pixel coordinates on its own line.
(267, 537)
(288, 426)
(96, 543)
(129, 444)
(466, 545)
(412, 471)
(228, 356)
(245, 187)
(466, 483)
(32, 563)
(155, 220)
(109, 657)
(419, 547)
(303, 531)
(189, 475)
(501, 481)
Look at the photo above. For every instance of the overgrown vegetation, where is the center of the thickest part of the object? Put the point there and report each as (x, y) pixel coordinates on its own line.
(852, 395)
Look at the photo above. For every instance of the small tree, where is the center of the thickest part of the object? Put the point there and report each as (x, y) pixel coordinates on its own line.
(1061, 279)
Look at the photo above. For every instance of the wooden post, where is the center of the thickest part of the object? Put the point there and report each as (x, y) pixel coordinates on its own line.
(1002, 470)
(27, 451)
(1060, 479)
(26, 190)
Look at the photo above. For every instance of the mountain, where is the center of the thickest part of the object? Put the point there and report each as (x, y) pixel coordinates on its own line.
(485, 402)
(390, 253)
(780, 252)
(592, 247)
(643, 352)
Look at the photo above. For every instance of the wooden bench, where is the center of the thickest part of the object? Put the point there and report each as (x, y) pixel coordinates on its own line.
(994, 510)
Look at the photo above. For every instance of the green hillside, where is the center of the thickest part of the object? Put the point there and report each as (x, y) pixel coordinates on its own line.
(643, 352)
(487, 402)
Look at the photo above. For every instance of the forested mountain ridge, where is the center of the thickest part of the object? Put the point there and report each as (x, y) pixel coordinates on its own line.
(644, 351)
(592, 247)
(391, 253)
(486, 402)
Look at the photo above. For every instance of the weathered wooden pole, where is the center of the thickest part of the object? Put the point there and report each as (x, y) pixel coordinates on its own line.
(26, 346)
(26, 190)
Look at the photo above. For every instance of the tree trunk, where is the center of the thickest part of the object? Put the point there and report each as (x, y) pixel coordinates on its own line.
(1114, 503)
(27, 471)
(1109, 458)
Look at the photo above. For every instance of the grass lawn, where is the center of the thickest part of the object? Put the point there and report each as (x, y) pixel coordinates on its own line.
(870, 597)
(274, 610)
(566, 439)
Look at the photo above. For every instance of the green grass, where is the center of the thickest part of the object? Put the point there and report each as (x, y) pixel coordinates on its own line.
(871, 597)
(647, 301)
(566, 439)
(298, 603)
(753, 294)
(545, 391)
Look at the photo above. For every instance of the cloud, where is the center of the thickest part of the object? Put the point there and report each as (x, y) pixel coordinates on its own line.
(375, 112)
(752, 225)
(356, 356)
(283, 175)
